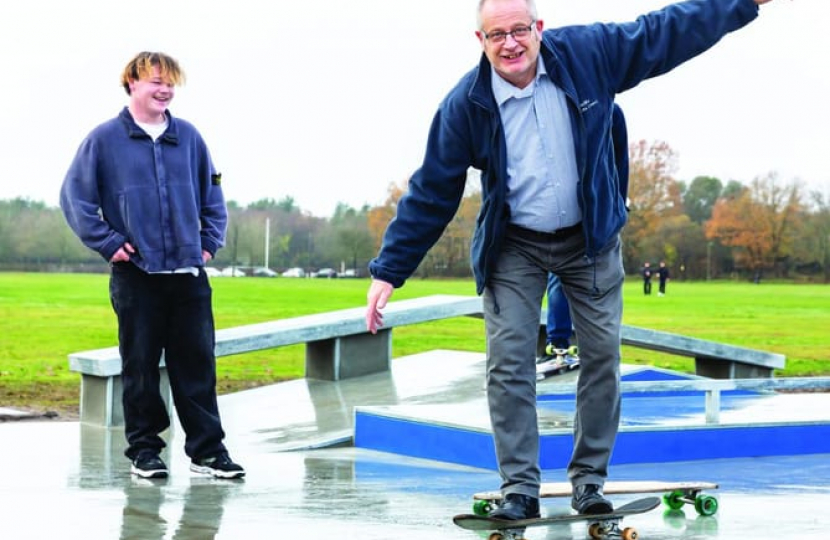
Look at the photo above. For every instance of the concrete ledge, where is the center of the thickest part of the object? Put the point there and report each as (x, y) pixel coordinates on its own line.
(337, 347)
(7, 414)
(712, 359)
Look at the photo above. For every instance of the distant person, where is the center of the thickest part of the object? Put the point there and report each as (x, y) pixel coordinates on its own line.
(663, 277)
(143, 193)
(534, 117)
(646, 273)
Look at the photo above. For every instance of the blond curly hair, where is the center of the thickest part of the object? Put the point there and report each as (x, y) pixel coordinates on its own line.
(142, 64)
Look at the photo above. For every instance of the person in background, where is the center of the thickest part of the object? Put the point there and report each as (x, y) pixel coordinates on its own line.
(559, 327)
(663, 277)
(646, 273)
(142, 191)
(534, 117)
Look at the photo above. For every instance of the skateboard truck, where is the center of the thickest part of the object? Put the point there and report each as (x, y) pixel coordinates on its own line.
(610, 528)
(598, 530)
(705, 505)
(600, 526)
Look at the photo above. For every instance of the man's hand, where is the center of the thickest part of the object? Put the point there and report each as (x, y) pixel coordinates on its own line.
(206, 256)
(123, 253)
(378, 295)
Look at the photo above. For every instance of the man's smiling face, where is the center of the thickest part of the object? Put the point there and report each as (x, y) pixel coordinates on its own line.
(515, 60)
(150, 96)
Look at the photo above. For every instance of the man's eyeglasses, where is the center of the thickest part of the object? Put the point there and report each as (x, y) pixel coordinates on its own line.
(498, 36)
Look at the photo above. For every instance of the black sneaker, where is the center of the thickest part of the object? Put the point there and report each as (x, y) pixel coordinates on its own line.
(219, 466)
(149, 465)
(588, 499)
(517, 506)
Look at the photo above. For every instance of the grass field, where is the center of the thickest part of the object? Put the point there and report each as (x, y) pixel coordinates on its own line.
(44, 317)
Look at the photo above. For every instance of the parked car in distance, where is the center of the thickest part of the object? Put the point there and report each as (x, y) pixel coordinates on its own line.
(264, 272)
(326, 273)
(294, 272)
(210, 271)
(233, 271)
(350, 273)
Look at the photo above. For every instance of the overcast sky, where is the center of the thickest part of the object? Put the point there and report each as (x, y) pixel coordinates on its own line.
(329, 101)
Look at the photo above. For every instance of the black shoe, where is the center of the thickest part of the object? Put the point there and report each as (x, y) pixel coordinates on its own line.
(220, 466)
(588, 499)
(517, 506)
(149, 465)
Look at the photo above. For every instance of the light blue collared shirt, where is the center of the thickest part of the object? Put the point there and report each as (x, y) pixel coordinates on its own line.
(541, 165)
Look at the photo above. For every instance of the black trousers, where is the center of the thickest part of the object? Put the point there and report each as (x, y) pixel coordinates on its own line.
(170, 313)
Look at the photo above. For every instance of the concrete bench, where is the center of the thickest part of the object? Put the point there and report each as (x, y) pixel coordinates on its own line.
(337, 347)
(712, 359)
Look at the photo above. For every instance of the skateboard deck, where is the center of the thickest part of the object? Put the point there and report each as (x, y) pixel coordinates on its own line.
(600, 526)
(560, 361)
(675, 494)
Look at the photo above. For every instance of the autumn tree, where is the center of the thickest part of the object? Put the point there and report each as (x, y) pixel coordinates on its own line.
(380, 216)
(759, 223)
(654, 196)
(732, 190)
(812, 247)
(451, 254)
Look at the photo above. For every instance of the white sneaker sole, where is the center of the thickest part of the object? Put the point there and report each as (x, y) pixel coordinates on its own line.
(216, 473)
(152, 473)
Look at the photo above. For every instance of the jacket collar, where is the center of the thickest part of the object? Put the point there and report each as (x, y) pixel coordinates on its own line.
(481, 92)
(170, 135)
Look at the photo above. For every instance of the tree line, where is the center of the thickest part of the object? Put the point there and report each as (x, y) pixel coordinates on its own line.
(703, 229)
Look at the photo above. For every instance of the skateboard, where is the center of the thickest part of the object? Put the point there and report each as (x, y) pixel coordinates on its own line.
(562, 360)
(675, 494)
(600, 526)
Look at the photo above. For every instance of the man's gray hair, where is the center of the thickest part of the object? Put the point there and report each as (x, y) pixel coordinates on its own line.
(531, 10)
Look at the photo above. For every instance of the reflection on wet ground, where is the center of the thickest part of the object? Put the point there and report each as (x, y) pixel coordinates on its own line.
(66, 480)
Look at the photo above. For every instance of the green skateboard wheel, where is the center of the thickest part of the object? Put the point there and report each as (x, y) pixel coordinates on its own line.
(706, 505)
(482, 508)
(674, 500)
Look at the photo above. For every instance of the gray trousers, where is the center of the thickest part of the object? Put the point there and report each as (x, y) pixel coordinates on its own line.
(512, 305)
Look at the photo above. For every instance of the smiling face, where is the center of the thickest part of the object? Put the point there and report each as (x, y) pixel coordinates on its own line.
(515, 60)
(150, 80)
(150, 97)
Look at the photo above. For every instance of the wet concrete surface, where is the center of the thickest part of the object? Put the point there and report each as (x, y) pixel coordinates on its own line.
(67, 480)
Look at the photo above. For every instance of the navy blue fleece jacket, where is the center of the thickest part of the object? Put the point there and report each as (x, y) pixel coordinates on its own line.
(163, 197)
(591, 64)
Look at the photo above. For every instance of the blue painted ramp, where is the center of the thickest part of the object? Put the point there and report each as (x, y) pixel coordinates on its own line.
(656, 427)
